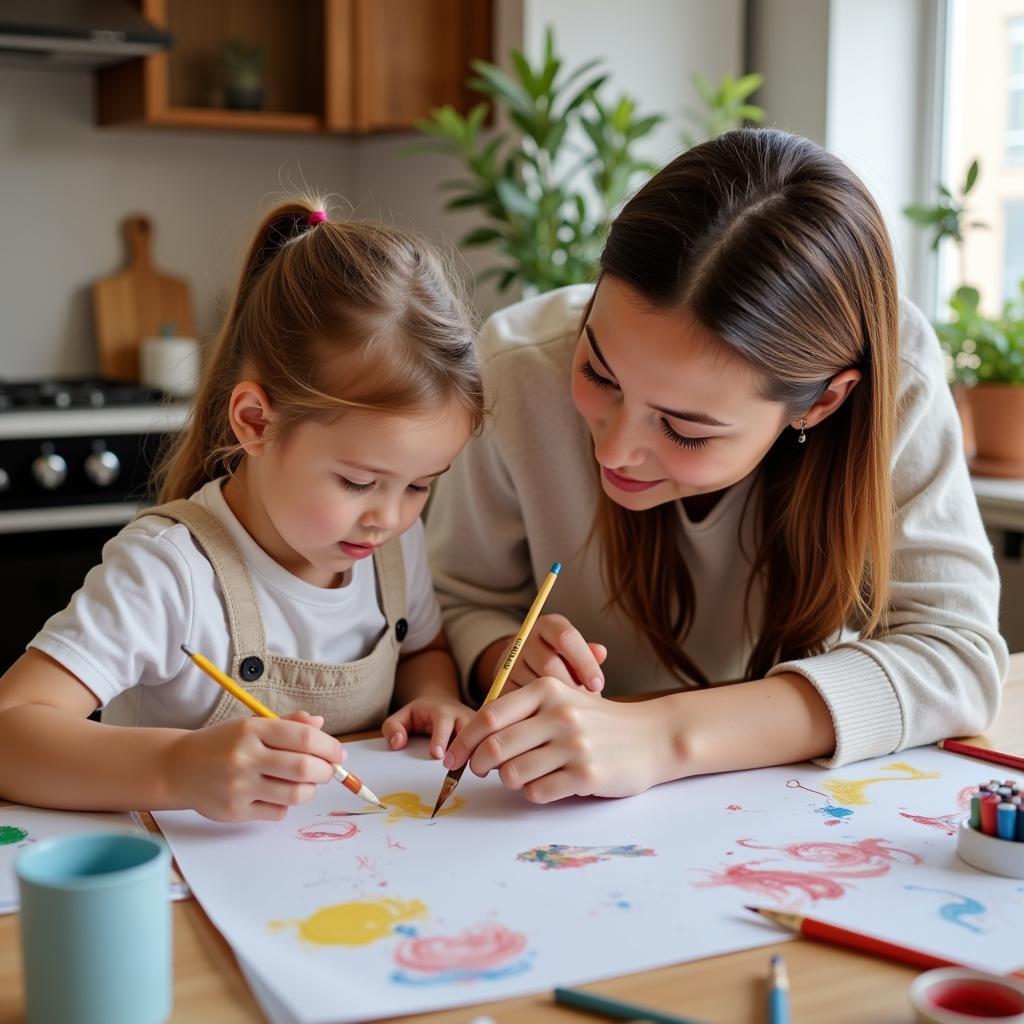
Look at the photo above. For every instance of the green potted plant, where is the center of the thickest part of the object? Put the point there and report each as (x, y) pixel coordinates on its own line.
(985, 353)
(550, 187)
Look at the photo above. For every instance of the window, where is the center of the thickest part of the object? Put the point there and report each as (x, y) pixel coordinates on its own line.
(1015, 99)
(984, 120)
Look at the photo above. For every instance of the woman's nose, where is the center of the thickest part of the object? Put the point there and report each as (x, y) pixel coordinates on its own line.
(619, 444)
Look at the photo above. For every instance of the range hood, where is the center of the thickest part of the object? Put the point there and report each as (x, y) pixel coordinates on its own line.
(75, 33)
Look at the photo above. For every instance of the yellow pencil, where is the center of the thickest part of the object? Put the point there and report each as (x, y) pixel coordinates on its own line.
(346, 778)
(451, 780)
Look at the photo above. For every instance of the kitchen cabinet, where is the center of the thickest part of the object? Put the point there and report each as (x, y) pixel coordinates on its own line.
(347, 66)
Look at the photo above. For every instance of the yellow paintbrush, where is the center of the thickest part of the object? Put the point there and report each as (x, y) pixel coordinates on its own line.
(451, 780)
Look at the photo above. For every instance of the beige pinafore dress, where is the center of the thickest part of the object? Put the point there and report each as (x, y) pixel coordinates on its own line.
(351, 697)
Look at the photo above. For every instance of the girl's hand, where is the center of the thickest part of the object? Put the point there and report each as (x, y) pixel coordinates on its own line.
(440, 716)
(552, 741)
(556, 648)
(253, 769)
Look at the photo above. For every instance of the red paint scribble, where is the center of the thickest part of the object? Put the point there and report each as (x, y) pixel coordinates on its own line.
(394, 844)
(837, 862)
(866, 858)
(733, 807)
(329, 833)
(776, 885)
(370, 866)
(797, 784)
(947, 823)
(482, 947)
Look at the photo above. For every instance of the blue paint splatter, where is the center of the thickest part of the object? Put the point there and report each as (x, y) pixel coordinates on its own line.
(835, 812)
(406, 929)
(955, 912)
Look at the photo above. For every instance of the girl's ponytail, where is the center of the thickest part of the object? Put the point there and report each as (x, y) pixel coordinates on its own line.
(328, 315)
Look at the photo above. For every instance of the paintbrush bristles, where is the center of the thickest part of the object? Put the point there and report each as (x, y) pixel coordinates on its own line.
(447, 788)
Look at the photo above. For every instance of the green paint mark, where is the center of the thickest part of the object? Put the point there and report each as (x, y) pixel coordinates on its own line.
(11, 834)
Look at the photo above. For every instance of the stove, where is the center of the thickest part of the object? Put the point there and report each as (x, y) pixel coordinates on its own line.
(78, 393)
(76, 463)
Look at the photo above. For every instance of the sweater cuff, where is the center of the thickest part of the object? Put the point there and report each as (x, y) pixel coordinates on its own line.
(469, 635)
(861, 699)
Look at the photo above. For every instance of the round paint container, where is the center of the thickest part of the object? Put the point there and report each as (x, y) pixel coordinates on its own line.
(958, 995)
(996, 856)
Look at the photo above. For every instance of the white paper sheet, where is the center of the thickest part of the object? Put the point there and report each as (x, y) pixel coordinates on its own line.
(350, 917)
(22, 826)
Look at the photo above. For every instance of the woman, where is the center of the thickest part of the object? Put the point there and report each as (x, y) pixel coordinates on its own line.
(742, 447)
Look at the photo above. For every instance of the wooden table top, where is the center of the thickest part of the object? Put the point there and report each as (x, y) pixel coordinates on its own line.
(826, 983)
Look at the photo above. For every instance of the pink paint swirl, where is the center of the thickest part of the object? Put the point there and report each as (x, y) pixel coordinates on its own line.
(482, 947)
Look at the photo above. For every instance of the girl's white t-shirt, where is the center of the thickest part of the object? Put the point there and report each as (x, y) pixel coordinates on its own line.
(154, 590)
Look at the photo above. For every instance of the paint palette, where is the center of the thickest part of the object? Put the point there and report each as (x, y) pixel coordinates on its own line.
(989, 853)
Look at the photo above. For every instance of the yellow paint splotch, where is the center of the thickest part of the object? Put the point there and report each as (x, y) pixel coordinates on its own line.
(411, 805)
(851, 792)
(355, 924)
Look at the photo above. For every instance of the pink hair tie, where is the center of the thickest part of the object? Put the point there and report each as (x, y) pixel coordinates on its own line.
(317, 217)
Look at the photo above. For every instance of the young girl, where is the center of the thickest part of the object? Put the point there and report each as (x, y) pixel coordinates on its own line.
(287, 548)
(742, 448)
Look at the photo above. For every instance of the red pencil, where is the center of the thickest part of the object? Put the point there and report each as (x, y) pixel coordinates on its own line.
(983, 753)
(853, 940)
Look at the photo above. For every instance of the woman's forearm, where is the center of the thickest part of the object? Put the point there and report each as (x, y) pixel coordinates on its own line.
(52, 758)
(779, 720)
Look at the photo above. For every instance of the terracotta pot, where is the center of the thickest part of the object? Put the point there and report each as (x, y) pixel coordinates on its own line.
(963, 407)
(997, 415)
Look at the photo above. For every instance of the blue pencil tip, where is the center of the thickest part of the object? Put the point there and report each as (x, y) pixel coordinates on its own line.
(556, 567)
(776, 959)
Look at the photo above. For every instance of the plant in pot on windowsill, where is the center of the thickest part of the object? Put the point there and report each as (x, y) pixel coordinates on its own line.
(986, 353)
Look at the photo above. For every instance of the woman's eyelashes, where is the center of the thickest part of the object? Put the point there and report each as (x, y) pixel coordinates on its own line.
(592, 376)
(588, 373)
(680, 439)
(356, 488)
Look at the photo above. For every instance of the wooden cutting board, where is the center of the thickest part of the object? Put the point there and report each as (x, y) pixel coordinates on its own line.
(135, 304)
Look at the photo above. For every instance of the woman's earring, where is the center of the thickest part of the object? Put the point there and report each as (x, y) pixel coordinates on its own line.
(802, 438)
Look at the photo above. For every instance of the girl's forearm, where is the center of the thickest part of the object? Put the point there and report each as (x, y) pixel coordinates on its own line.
(430, 672)
(52, 758)
(779, 720)
(486, 666)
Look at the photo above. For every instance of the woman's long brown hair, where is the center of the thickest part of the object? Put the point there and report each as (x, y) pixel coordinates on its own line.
(779, 250)
(329, 316)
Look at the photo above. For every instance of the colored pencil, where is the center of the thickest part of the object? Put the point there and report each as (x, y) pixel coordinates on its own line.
(983, 754)
(614, 1009)
(837, 936)
(1006, 821)
(778, 992)
(451, 780)
(351, 782)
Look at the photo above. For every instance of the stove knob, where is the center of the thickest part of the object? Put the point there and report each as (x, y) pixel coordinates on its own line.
(102, 467)
(5, 480)
(49, 469)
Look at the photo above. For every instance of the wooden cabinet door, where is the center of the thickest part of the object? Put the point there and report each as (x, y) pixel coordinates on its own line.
(408, 56)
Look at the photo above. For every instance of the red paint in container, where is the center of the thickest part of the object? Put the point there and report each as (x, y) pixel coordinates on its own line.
(977, 999)
(961, 996)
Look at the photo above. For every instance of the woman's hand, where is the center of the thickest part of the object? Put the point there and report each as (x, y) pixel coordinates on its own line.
(556, 648)
(439, 716)
(553, 741)
(252, 769)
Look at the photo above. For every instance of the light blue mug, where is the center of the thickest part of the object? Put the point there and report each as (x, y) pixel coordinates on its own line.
(96, 929)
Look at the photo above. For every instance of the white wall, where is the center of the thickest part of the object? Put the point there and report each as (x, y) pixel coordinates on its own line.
(651, 49)
(858, 76)
(66, 185)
